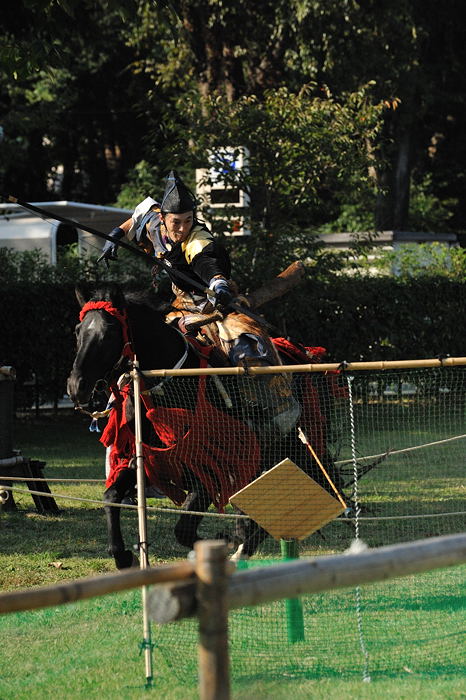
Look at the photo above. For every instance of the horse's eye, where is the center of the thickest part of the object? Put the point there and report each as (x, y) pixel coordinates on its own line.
(76, 329)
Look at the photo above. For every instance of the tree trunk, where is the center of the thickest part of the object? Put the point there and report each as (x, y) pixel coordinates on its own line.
(402, 182)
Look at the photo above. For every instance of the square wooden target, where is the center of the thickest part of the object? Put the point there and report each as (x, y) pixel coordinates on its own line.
(287, 503)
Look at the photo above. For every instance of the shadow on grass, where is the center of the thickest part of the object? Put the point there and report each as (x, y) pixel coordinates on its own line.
(72, 533)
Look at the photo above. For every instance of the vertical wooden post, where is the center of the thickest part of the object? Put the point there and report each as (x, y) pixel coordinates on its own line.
(146, 644)
(212, 580)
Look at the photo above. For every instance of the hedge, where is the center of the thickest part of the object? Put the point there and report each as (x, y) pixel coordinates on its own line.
(355, 319)
(378, 318)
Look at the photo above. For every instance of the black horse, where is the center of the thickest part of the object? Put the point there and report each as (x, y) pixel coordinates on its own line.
(113, 326)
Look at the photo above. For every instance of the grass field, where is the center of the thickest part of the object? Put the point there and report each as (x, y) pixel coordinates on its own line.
(413, 629)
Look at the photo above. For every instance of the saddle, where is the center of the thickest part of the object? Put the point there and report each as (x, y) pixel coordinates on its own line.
(237, 338)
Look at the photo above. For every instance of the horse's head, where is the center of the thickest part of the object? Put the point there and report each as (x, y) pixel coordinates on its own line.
(100, 338)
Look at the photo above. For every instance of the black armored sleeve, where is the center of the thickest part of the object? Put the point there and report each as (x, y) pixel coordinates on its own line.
(211, 261)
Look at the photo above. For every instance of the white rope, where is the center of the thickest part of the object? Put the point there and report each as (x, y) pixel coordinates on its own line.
(357, 541)
(33, 478)
(154, 509)
(389, 452)
(405, 517)
(178, 511)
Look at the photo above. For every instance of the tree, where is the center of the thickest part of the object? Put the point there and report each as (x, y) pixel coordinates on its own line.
(301, 148)
(414, 52)
(72, 111)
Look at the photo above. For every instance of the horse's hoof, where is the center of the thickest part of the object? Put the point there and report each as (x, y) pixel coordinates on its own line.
(126, 559)
(239, 555)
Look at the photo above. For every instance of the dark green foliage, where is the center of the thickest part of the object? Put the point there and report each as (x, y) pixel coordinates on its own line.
(377, 318)
(300, 146)
(355, 319)
(39, 311)
(81, 110)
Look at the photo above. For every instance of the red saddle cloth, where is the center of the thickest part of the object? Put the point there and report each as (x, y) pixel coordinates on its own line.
(220, 450)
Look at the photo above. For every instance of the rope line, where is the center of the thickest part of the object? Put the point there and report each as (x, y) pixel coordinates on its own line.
(208, 514)
(33, 478)
(178, 511)
(389, 453)
(357, 541)
(407, 517)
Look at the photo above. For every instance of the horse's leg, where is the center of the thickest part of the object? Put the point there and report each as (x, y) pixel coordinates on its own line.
(198, 499)
(123, 484)
(251, 535)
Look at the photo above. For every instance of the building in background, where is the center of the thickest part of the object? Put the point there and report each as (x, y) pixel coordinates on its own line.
(415, 243)
(225, 205)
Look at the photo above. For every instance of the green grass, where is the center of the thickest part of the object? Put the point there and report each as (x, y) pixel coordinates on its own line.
(90, 649)
(413, 628)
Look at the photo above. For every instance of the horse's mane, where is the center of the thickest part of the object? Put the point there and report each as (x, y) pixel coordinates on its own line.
(147, 298)
(124, 296)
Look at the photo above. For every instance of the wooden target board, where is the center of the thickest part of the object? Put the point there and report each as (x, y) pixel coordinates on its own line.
(287, 503)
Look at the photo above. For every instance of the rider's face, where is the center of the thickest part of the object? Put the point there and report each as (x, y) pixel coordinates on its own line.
(178, 226)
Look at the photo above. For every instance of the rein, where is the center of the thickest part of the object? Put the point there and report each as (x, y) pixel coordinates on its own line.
(127, 351)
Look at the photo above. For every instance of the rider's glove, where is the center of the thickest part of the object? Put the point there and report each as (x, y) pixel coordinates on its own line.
(220, 287)
(110, 249)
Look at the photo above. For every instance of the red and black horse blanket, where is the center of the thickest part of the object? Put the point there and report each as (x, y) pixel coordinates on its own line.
(223, 452)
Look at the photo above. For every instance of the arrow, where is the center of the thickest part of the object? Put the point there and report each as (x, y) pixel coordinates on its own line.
(137, 251)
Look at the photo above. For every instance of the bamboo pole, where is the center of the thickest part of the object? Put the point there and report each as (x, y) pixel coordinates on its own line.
(212, 580)
(330, 367)
(146, 644)
(85, 588)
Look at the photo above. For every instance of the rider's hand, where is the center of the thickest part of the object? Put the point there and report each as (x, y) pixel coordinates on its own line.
(110, 249)
(223, 295)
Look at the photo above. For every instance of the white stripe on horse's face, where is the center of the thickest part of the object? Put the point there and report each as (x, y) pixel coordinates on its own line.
(91, 325)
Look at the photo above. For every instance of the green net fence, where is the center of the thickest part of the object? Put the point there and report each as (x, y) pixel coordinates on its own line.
(408, 626)
(392, 443)
(397, 444)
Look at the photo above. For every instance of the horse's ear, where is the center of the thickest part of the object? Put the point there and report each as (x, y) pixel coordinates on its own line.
(82, 293)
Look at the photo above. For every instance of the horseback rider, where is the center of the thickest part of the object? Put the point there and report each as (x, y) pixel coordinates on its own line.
(171, 231)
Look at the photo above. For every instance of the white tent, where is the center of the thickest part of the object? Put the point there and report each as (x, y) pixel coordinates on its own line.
(22, 230)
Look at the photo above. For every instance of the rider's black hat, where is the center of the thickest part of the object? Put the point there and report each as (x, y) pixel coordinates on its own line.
(177, 198)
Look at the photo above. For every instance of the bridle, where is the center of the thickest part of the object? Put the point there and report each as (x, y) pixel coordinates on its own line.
(127, 352)
(121, 316)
